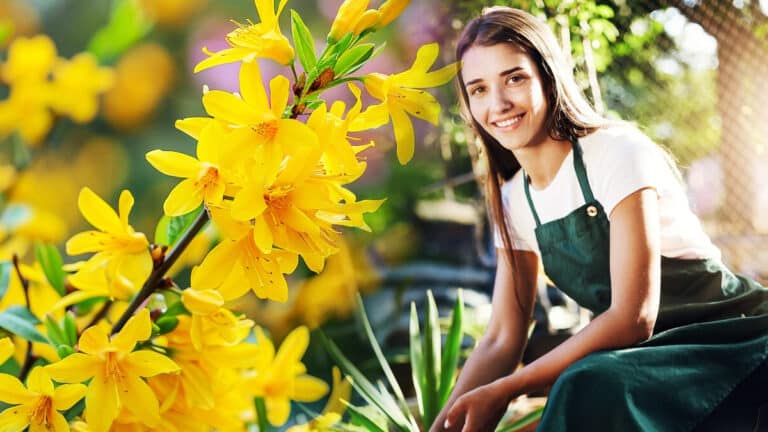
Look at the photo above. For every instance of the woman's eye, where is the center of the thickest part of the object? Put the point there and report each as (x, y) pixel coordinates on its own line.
(476, 91)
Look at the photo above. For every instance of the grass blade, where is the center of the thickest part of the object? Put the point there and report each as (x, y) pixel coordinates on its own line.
(431, 347)
(523, 421)
(380, 357)
(360, 419)
(417, 359)
(451, 351)
(362, 384)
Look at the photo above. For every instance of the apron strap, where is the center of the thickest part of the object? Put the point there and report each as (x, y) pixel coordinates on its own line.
(581, 174)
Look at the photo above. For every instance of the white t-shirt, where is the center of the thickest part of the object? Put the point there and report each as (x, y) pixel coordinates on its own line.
(619, 160)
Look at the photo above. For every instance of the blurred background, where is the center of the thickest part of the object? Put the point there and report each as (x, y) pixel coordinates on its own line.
(692, 74)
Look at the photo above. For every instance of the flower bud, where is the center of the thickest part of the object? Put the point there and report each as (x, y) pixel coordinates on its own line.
(346, 18)
(202, 302)
(390, 10)
(367, 20)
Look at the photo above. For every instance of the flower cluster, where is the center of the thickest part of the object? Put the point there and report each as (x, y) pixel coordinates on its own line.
(43, 85)
(271, 171)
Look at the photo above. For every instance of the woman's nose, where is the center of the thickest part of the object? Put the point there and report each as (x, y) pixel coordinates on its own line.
(501, 101)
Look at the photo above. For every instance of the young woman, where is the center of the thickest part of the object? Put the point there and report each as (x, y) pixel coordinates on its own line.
(677, 342)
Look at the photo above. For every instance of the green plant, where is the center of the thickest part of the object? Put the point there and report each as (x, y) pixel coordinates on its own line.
(433, 366)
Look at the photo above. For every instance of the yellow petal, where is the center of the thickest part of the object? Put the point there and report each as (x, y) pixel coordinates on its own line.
(278, 410)
(12, 391)
(15, 419)
(102, 403)
(373, 117)
(193, 126)
(419, 104)
(39, 381)
(139, 399)
(125, 205)
(59, 423)
(229, 227)
(183, 198)
(266, 347)
(390, 10)
(293, 347)
(367, 20)
(76, 368)
(67, 395)
(216, 265)
(202, 302)
(434, 78)
(149, 363)
(404, 136)
(308, 389)
(224, 56)
(233, 287)
(138, 328)
(6, 349)
(262, 235)
(135, 268)
(77, 296)
(251, 85)
(198, 388)
(249, 202)
(230, 108)
(287, 261)
(97, 212)
(87, 241)
(174, 164)
(94, 340)
(425, 58)
(294, 136)
(279, 87)
(299, 221)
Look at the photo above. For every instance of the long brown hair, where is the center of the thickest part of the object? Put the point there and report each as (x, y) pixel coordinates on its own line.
(570, 116)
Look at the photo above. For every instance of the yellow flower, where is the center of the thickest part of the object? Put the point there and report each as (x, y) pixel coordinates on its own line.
(352, 17)
(29, 59)
(116, 371)
(400, 96)
(390, 10)
(252, 41)
(256, 120)
(280, 378)
(143, 76)
(237, 264)
(339, 156)
(332, 293)
(210, 319)
(171, 13)
(204, 177)
(26, 111)
(38, 405)
(77, 83)
(334, 408)
(122, 258)
(6, 349)
(297, 209)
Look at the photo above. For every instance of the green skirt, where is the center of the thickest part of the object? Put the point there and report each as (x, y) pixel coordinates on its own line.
(703, 369)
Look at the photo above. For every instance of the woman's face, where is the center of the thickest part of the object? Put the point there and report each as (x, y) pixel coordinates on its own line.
(506, 94)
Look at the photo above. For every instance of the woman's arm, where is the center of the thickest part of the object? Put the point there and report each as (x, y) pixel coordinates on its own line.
(635, 265)
(501, 347)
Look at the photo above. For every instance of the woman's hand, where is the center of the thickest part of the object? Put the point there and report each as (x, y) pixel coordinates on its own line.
(479, 410)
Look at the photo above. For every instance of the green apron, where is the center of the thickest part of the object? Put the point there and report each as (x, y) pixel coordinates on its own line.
(710, 338)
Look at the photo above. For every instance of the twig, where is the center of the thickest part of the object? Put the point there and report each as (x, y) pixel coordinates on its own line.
(157, 275)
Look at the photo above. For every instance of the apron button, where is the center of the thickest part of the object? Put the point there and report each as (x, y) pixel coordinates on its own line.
(592, 211)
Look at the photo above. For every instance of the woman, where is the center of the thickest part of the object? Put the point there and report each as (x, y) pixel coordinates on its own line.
(677, 342)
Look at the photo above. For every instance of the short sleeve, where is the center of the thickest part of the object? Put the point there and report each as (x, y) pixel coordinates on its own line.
(627, 162)
(518, 241)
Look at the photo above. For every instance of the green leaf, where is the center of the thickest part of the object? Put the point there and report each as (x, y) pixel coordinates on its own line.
(6, 267)
(20, 321)
(363, 386)
(304, 42)
(76, 410)
(70, 328)
(127, 25)
(451, 351)
(6, 30)
(359, 418)
(522, 422)
(64, 351)
(383, 360)
(14, 216)
(55, 334)
(417, 360)
(353, 59)
(431, 347)
(170, 229)
(50, 260)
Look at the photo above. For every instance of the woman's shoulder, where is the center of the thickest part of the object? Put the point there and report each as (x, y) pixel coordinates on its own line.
(620, 135)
